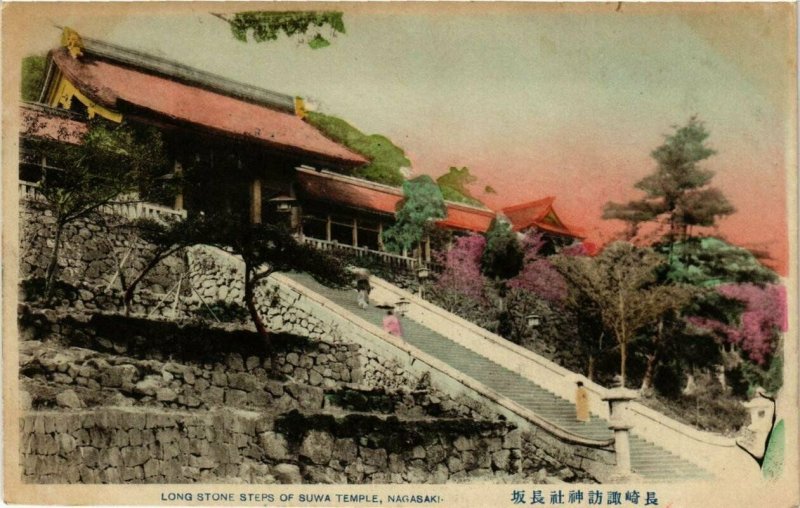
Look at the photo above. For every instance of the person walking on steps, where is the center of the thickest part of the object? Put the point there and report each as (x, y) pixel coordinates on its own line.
(363, 288)
(581, 403)
(391, 324)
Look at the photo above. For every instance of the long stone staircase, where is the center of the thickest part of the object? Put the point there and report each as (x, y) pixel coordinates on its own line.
(648, 460)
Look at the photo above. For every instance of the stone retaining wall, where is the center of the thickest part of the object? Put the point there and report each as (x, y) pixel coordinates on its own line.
(92, 250)
(128, 445)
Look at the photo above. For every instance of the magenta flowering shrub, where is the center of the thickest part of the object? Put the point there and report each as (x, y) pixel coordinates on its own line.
(538, 275)
(758, 326)
(462, 269)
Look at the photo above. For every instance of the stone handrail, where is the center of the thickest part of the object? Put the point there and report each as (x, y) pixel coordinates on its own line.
(127, 209)
(524, 362)
(386, 257)
(368, 332)
(713, 451)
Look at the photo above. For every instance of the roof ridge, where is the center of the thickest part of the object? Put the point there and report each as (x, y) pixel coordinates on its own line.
(380, 186)
(546, 200)
(192, 75)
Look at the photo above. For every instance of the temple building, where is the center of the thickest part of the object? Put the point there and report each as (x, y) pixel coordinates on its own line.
(240, 148)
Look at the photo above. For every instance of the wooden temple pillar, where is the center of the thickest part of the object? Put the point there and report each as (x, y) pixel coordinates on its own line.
(178, 172)
(355, 232)
(328, 228)
(381, 246)
(255, 201)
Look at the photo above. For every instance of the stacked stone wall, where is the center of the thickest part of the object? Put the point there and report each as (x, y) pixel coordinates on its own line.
(131, 445)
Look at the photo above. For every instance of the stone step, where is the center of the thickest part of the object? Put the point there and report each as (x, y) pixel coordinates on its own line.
(647, 459)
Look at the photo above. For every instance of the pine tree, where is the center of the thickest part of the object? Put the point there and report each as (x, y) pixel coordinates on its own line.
(678, 190)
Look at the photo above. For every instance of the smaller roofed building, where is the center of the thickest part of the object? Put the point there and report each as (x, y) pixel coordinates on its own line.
(539, 215)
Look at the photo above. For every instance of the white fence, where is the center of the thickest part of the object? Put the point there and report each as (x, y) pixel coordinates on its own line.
(387, 258)
(129, 209)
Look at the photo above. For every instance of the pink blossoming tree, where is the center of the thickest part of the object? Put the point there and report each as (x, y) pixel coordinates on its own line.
(756, 330)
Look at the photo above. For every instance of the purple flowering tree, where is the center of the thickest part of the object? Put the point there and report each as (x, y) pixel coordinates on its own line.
(757, 328)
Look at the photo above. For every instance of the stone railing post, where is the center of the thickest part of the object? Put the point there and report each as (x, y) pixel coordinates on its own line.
(619, 401)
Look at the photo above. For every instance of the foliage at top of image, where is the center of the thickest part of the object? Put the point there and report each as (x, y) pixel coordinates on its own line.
(33, 68)
(386, 158)
(454, 186)
(678, 190)
(423, 204)
(265, 26)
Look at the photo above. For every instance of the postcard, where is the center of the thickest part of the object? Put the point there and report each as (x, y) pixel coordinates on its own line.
(400, 254)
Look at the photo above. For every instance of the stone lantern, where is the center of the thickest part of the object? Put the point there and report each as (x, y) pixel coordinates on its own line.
(619, 400)
(753, 438)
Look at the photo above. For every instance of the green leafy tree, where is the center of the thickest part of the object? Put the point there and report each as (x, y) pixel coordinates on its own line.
(503, 257)
(386, 159)
(265, 26)
(110, 161)
(33, 68)
(678, 190)
(454, 186)
(423, 204)
(710, 261)
(621, 283)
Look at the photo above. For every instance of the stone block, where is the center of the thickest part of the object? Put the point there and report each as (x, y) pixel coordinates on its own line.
(463, 443)
(501, 459)
(326, 475)
(166, 395)
(244, 381)
(317, 446)
(275, 445)
(201, 462)
(287, 474)
(513, 439)
(374, 457)
(345, 450)
(69, 399)
(454, 464)
(235, 398)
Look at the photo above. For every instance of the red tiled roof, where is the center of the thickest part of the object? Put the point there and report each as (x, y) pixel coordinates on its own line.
(111, 85)
(468, 219)
(348, 191)
(42, 122)
(535, 214)
(356, 193)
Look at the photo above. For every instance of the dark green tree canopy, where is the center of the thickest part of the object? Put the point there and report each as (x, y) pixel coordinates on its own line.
(679, 187)
(263, 26)
(32, 77)
(454, 186)
(423, 204)
(386, 158)
(710, 261)
(502, 258)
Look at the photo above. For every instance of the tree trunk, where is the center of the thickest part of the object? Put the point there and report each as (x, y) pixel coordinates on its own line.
(261, 329)
(128, 296)
(623, 359)
(52, 266)
(590, 370)
(647, 382)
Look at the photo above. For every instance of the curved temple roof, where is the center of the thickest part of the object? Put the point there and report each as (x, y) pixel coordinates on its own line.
(115, 85)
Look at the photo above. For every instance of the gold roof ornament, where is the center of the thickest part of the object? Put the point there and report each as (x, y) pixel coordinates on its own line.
(300, 107)
(72, 41)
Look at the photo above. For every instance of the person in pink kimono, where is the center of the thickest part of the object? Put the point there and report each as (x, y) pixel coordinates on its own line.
(391, 324)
